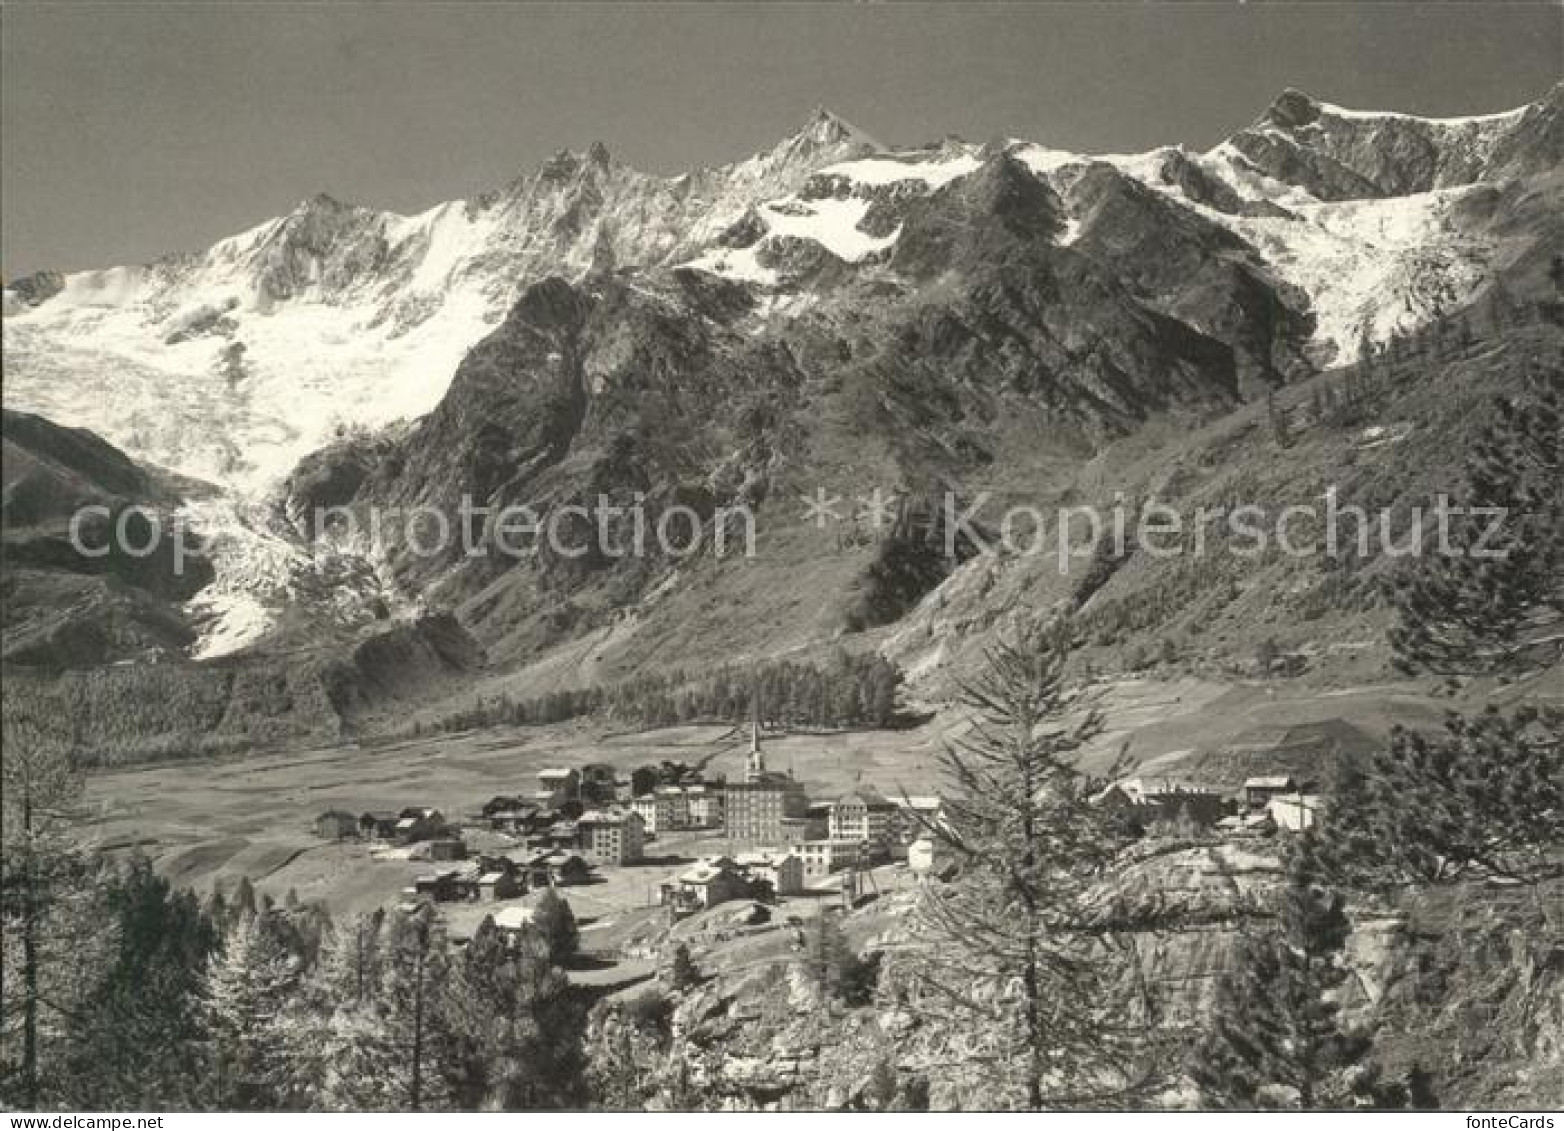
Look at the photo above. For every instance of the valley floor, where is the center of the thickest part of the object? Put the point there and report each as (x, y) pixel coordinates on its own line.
(207, 824)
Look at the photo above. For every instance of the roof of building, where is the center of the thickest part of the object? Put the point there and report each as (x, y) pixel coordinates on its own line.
(1302, 800)
(705, 873)
(555, 772)
(763, 858)
(606, 817)
(513, 918)
(1270, 781)
(868, 797)
(336, 813)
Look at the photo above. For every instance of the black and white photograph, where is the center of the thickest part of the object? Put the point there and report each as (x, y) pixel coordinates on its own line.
(781, 558)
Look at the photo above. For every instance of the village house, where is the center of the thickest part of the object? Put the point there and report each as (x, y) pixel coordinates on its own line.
(499, 878)
(823, 857)
(521, 821)
(656, 810)
(419, 822)
(675, 805)
(784, 871)
(336, 824)
(610, 838)
(711, 881)
(378, 826)
(796, 830)
(1258, 791)
(559, 869)
(503, 803)
(1175, 802)
(442, 848)
(555, 787)
(1296, 812)
(440, 887)
(561, 834)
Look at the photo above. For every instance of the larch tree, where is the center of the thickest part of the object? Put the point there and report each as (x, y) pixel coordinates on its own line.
(46, 931)
(1490, 597)
(1027, 964)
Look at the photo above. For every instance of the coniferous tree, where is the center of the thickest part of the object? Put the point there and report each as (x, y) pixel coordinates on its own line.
(1027, 965)
(414, 1010)
(838, 970)
(683, 974)
(1491, 599)
(555, 923)
(1487, 795)
(137, 1038)
(47, 934)
(1277, 1037)
(247, 991)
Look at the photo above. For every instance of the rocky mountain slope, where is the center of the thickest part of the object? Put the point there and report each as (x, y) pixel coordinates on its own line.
(74, 592)
(828, 319)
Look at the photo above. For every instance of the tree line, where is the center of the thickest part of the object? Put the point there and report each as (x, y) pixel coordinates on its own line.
(846, 691)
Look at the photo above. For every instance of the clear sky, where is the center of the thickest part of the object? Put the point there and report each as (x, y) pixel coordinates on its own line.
(132, 130)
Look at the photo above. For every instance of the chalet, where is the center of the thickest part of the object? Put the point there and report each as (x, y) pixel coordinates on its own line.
(822, 857)
(1295, 812)
(500, 884)
(1115, 798)
(378, 826)
(559, 869)
(712, 881)
(441, 887)
(1258, 791)
(502, 804)
(442, 848)
(419, 822)
(532, 867)
(1174, 803)
(561, 834)
(610, 838)
(520, 821)
(336, 824)
(784, 871)
(556, 786)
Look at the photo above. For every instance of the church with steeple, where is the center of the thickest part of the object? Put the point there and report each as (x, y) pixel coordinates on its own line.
(754, 809)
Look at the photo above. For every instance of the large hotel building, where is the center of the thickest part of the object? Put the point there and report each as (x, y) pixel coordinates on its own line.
(755, 808)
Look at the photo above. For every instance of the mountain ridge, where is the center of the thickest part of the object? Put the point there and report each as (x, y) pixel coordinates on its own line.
(944, 300)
